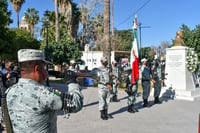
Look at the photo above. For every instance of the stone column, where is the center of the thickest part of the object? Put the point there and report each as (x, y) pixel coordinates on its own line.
(179, 81)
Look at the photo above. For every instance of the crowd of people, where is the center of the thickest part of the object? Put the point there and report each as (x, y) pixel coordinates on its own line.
(152, 72)
(31, 106)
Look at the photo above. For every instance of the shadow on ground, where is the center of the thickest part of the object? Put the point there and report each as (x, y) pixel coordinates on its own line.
(91, 104)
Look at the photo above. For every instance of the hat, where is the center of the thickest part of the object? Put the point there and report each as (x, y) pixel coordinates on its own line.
(72, 61)
(144, 59)
(31, 55)
(104, 59)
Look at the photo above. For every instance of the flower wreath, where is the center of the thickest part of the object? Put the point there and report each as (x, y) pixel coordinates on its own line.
(191, 60)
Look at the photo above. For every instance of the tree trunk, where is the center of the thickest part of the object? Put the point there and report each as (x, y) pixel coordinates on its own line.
(107, 44)
(18, 19)
(57, 21)
(32, 30)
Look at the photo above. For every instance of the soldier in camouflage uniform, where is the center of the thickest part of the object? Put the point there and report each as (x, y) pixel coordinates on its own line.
(132, 84)
(104, 88)
(157, 80)
(163, 71)
(116, 81)
(31, 105)
(131, 91)
(146, 81)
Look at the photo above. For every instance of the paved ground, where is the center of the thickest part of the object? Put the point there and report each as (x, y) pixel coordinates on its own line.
(172, 116)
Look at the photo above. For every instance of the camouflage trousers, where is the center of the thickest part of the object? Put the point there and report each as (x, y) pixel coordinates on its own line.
(157, 88)
(104, 97)
(132, 97)
(115, 87)
(146, 89)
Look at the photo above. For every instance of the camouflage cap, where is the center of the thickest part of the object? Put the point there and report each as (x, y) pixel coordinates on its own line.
(31, 55)
(104, 59)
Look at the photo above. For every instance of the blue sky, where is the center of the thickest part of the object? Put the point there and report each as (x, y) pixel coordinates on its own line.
(164, 17)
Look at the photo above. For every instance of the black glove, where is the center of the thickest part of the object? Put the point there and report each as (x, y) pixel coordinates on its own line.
(67, 103)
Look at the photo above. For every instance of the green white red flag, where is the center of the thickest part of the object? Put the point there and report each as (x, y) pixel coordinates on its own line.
(135, 41)
(134, 60)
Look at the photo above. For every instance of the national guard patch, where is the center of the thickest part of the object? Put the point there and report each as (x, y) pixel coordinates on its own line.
(57, 92)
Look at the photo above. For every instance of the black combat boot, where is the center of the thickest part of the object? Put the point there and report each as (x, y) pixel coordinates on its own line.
(114, 98)
(103, 116)
(157, 101)
(145, 103)
(134, 109)
(108, 115)
(131, 109)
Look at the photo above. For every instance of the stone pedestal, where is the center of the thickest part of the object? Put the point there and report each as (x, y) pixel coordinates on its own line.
(179, 81)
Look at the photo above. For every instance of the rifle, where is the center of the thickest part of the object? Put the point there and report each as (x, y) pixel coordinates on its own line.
(6, 117)
(110, 77)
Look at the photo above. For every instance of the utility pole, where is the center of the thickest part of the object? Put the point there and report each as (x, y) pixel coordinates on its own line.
(112, 18)
(140, 27)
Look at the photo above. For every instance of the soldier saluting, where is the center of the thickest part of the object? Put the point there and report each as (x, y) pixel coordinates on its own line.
(31, 105)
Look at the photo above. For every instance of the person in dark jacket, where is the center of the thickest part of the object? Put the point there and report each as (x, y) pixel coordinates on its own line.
(146, 81)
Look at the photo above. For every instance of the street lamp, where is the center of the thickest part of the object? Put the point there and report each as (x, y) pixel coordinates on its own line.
(46, 25)
(140, 27)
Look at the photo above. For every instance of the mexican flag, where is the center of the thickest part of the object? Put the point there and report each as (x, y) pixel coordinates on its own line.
(135, 41)
(134, 60)
(57, 92)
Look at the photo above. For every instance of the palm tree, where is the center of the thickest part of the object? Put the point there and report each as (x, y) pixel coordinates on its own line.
(107, 29)
(52, 23)
(84, 18)
(32, 18)
(75, 21)
(17, 4)
(65, 7)
(69, 10)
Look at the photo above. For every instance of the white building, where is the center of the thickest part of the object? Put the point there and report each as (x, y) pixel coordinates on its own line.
(92, 58)
(24, 24)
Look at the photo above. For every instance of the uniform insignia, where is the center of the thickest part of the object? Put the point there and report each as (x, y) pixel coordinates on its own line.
(57, 92)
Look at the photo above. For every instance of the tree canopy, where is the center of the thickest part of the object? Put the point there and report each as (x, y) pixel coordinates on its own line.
(5, 20)
(32, 18)
(123, 40)
(192, 37)
(63, 51)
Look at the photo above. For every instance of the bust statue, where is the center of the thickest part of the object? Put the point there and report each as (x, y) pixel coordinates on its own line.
(178, 41)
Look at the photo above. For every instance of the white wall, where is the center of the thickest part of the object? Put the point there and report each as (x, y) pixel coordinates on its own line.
(92, 58)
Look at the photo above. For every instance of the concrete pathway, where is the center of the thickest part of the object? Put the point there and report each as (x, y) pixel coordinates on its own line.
(172, 116)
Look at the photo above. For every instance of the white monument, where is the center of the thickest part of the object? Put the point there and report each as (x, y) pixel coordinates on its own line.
(179, 81)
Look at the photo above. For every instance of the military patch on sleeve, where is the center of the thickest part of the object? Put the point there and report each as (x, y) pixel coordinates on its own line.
(57, 92)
